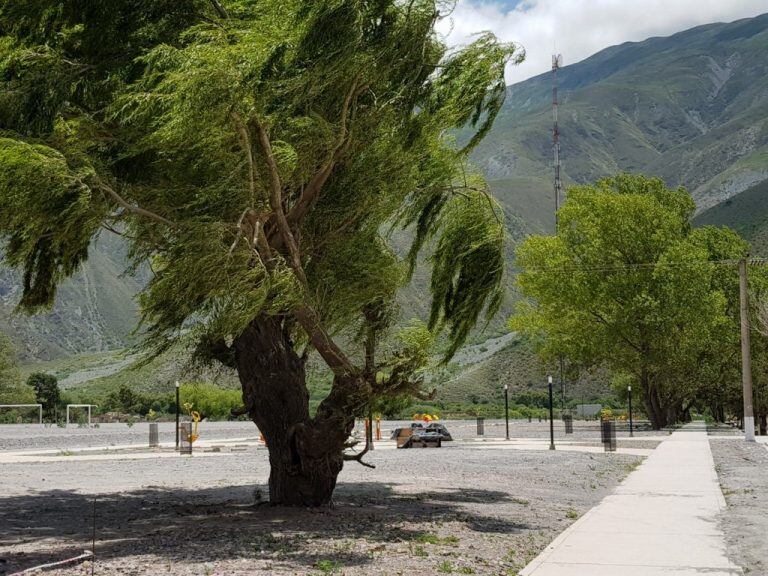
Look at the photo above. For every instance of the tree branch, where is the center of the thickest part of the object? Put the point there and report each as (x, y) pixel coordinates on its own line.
(312, 191)
(245, 138)
(276, 203)
(104, 187)
(333, 356)
(359, 457)
(220, 10)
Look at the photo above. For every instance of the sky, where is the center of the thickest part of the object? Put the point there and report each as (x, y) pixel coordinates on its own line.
(579, 28)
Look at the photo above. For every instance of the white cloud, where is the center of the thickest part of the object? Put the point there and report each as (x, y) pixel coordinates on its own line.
(579, 28)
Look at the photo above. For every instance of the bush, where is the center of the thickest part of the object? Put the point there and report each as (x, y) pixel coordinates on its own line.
(211, 401)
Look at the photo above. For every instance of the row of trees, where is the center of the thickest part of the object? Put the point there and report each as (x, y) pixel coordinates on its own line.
(629, 284)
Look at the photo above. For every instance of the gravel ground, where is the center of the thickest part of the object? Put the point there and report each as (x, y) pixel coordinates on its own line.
(36, 437)
(743, 472)
(466, 510)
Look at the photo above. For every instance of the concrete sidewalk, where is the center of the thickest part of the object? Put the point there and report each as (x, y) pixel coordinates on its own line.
(662, 520)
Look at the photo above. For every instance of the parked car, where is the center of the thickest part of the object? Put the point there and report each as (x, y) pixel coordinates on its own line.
(431, 429)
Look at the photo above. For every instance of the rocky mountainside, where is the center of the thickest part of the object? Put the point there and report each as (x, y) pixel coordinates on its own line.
(95, 310)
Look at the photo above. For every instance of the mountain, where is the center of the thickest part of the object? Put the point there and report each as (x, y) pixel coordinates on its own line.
(691, 108)
(95, 310)
(747, 213)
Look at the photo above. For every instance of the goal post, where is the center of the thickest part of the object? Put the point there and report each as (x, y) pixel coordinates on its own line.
(88, 406)
(38, 406)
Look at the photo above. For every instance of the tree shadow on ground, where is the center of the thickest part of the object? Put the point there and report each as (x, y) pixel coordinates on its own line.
(224, 523)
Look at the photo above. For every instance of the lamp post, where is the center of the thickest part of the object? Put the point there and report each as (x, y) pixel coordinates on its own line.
(177, 414)
(506, 407)
(551, 416)
(629, 392)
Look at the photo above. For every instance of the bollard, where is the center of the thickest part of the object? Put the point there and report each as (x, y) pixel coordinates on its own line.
(154, 436)
(568, 421)
(608, 435)
(185, 431)
(378, 427)
(481, 426)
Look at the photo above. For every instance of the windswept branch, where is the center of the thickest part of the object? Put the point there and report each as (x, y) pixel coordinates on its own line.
(276, 203)
(333, 356)
(245, 142)
(104, 187)
(220, 10)
(312, 191)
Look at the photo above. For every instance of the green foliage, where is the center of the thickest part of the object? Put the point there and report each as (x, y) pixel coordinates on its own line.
(47, 393)
(627, 283)
(46, 216)
(11, 389)
(211, 402)
(256, 157)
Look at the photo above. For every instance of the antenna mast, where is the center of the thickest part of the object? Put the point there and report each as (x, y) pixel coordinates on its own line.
(557, 62)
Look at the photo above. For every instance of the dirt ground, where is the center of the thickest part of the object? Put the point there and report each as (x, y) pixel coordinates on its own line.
(743, 472)
(467, 510)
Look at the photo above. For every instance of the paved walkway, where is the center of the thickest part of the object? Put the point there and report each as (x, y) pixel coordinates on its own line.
(662, 520)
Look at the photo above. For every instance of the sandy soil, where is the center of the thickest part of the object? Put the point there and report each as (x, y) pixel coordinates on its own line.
(465, 511)
(743, 472)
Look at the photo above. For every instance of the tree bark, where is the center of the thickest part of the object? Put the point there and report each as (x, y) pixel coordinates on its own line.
(656, 414)
(305, 454)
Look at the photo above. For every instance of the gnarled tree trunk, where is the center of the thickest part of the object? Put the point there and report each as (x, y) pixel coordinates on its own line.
(305, 454)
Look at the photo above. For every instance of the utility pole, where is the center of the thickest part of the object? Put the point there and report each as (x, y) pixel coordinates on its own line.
(746, 358)
(557, 62)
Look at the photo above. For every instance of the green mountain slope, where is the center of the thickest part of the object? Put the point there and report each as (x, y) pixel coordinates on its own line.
(692, 108)
(747, 213)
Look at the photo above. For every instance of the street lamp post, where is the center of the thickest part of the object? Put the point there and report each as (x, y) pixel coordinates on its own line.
(506, 407)
(629, 391)
(178, 408)
(551, 416)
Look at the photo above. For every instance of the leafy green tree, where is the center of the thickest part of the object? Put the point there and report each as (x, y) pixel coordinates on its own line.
(11, 389)
(255, 153)
(627, 283)
(46, 387)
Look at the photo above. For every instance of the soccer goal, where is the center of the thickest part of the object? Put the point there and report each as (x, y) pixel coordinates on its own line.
(38, 406)
(88, 406)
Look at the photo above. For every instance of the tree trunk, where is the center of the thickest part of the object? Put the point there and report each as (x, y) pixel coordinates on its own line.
(656, 414)
(763, 419)
(305, 454)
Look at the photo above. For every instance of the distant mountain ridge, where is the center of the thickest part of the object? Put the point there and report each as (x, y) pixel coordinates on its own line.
(691, 108)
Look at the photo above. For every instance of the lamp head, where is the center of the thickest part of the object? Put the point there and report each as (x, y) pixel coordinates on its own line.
(629, 388)
(177, 384)
(549, 379)
(506, 387)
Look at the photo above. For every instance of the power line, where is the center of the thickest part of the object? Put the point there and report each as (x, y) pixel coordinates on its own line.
(639, 265)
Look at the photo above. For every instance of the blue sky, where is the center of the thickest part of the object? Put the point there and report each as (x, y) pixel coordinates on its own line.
(579, 28)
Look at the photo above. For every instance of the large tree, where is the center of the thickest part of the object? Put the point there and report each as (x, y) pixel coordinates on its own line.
(627, 283)
(255, 153)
